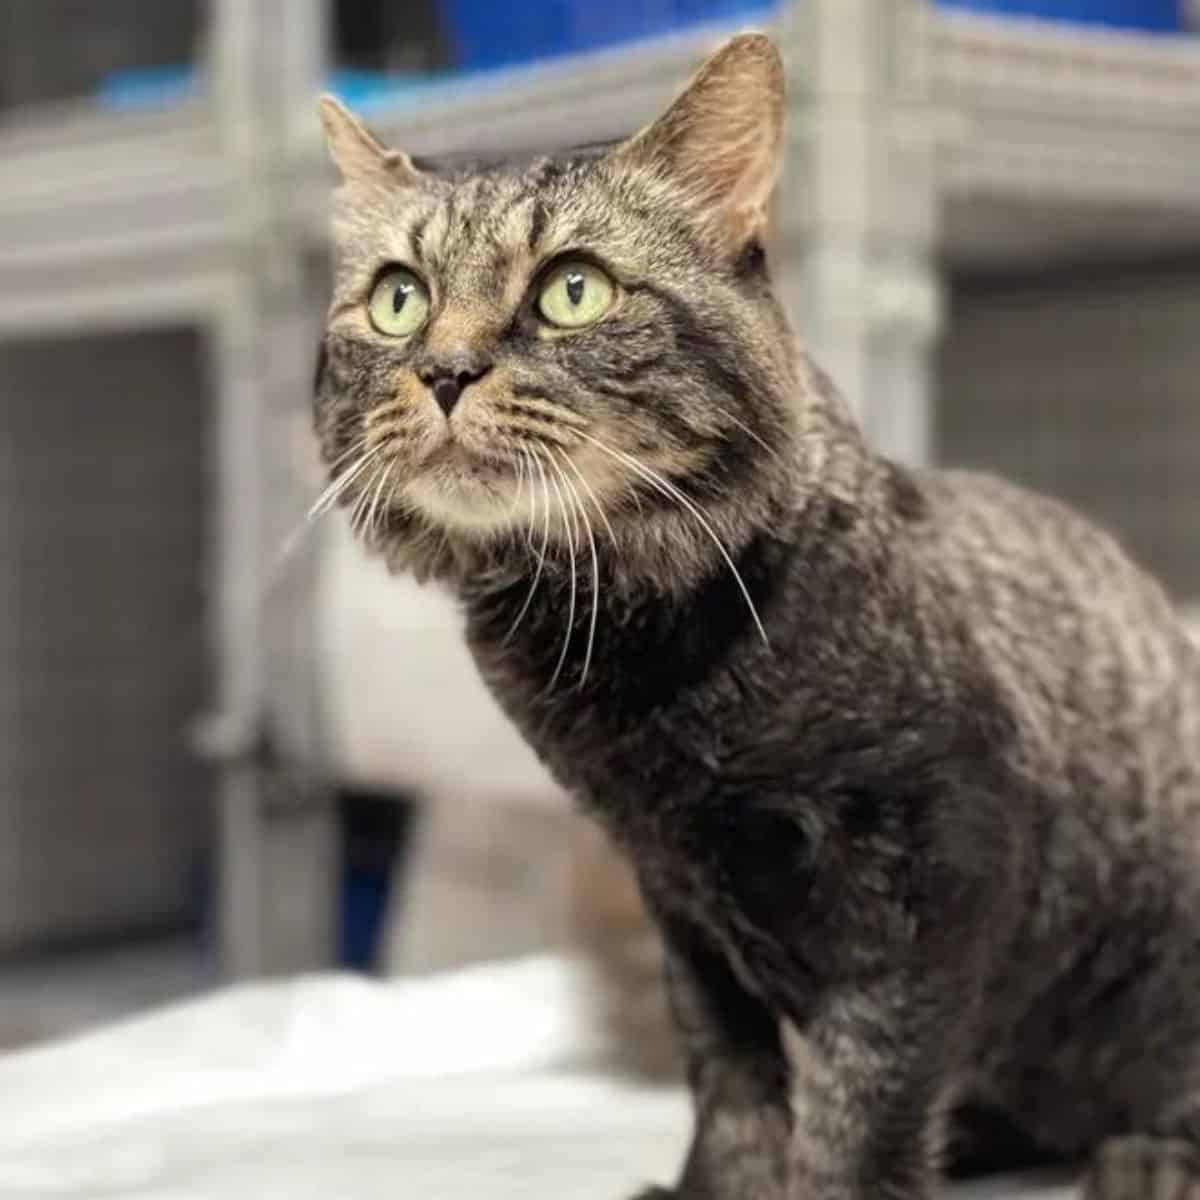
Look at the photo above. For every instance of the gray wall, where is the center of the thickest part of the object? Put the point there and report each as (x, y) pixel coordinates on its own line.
(61, 49)
(1088, 388)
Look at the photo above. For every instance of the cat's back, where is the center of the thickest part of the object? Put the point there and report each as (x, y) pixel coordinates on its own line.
(1084, 640)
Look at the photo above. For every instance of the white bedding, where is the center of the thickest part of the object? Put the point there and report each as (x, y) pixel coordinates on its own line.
(473, 1085)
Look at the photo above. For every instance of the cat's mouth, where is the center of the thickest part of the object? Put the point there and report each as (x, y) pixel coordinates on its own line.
(453, 455)
(464, 487)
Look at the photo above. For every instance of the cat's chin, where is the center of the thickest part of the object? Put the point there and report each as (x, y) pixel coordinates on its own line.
(464, 503)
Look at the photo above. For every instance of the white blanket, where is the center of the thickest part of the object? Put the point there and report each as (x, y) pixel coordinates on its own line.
(473, 1085)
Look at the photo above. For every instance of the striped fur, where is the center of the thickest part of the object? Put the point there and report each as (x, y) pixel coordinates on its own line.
(907, 766)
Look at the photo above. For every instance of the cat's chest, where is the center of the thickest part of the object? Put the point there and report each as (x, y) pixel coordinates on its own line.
(739, 811)
(706, 846)
(792, 874)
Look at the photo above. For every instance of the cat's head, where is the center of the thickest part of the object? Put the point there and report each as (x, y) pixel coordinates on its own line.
(518, 351)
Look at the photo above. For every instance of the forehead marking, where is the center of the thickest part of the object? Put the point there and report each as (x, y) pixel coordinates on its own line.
(416, 235)
(433, 235)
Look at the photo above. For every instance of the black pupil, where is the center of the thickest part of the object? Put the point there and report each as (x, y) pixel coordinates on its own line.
(575, 288)
(400, 296)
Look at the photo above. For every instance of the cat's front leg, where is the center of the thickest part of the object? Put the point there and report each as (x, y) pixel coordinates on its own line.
(737, 1073)
(849, 1105)
(869, 1089)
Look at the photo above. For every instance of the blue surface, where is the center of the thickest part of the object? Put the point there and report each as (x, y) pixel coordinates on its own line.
(167, 87)
(1163, 16)
(149, 87)
(485, 33)
(364, 901)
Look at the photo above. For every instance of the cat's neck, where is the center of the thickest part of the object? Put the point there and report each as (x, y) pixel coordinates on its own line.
(581, 634)
(590, 663)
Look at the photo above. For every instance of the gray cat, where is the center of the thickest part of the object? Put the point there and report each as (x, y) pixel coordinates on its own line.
(907, 764)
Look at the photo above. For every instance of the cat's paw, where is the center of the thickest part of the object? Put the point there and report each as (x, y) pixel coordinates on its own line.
(1144, 1168)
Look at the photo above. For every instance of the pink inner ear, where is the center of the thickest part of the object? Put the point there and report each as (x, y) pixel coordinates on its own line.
(358, 154)
(721, 138)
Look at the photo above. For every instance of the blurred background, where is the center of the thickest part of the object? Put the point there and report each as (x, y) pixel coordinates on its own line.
(231, 750)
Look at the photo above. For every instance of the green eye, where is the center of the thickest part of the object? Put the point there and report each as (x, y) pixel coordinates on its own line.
(576, 294)
(399, 305)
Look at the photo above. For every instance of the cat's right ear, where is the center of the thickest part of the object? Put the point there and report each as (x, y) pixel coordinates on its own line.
(358, 154)
(721, 141)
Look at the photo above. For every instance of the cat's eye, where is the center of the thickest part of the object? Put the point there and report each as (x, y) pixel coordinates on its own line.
(399, 303)
(575, 294)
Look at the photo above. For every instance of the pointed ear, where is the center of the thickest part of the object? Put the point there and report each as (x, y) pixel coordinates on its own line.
(359, 156)
(721, 140)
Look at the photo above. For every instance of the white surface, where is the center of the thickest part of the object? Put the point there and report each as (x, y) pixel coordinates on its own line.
(401, 693)
(334, 1087)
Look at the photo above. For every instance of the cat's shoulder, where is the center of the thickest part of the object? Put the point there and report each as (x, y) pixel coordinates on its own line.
(1006, 542)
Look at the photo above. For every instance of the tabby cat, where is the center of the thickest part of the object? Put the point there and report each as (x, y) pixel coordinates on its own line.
(907, 764)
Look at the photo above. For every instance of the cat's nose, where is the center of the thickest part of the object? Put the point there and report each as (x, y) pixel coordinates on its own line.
(448, 380)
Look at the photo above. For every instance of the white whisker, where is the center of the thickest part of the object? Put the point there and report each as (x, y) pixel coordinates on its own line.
(669, 489)
(569, 530)
(527, 526)
(359, 511)
(516, 504)
(390, 503)
(288, 547)
(748, 431)
(357, 446)
(587, 487)
(578, 502)
(537, 575)
(384, 476)
(292, 541)
(326, 499)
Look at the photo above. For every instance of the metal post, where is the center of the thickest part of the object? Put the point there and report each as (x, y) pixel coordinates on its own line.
(859, 207)
(229, 738)
(906, 295)
(278, 835)
(302, 864)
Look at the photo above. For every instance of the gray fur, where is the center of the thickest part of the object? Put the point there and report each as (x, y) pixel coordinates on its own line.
(925, 843)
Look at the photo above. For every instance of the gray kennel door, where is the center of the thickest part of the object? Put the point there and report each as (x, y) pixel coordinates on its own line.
(1086, 387)
(103, 476)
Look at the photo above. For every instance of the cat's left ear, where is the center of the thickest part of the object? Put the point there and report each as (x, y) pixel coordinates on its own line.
(358, 154)
(721, 140)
